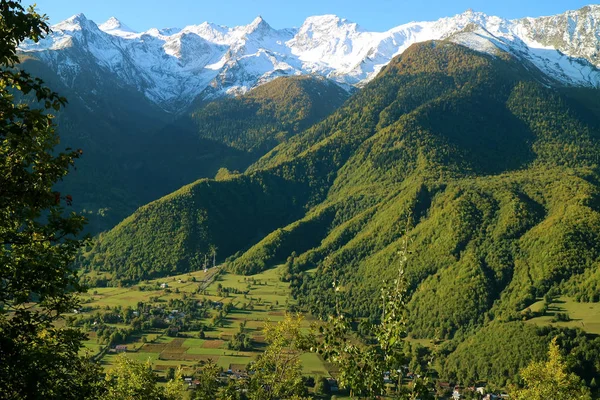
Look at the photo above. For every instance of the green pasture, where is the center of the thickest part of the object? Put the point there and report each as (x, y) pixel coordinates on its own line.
(267, 300)
(585, 316)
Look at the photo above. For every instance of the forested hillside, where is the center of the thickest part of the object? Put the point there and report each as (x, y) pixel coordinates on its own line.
(136, 153)
(269, 114)
(490, 174)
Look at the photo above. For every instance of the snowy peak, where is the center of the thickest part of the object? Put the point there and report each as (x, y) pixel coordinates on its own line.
(328, 24)
(211, 32)
(468, 20)
(172, 67)
(330, 42)
(75, 23)
(258, 25)
(258, 29)
(575, 33)
(114, 26)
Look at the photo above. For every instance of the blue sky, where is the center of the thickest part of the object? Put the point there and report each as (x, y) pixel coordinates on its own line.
(377, 15)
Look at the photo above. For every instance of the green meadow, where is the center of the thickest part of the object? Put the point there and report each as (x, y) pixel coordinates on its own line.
(585, 316)
(268, 297)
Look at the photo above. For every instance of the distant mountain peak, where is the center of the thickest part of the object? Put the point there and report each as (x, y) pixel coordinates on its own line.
(595, 8)
(258, 25)
(76, 22)
(258, 21)
(113, 24)
(471, 15)
(326, 21)
(470, 12)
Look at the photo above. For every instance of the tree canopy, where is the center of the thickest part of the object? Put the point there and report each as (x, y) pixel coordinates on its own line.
(550, 380)
(37, 235)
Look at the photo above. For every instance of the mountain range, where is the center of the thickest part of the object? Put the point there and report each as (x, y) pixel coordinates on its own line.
(175, 67)
(142, 105)
(472, 140)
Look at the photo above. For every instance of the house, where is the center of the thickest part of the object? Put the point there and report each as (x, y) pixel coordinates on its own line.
(120, 348)
(386, 378)
(164, 285)
(496, 396)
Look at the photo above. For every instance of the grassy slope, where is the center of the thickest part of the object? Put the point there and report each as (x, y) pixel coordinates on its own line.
(585, 316)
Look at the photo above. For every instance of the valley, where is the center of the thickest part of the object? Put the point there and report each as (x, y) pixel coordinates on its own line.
(251, 213)
(255, 300)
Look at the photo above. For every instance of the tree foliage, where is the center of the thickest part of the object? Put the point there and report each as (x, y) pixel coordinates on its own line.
(37, 235)
(363, 367)
(131, 380)
(277, 372)
(550, 380)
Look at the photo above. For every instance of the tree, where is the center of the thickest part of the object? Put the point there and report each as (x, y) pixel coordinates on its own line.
(240, 342)
(277, 373)
(39, 240)
(230, 392)
(208, 387)
(550, 380)
(130, 380)
(362, 367)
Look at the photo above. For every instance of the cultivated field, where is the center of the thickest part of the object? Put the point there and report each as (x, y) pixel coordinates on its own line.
(265, 297)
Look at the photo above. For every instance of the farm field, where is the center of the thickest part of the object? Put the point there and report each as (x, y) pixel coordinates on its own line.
(252, 301)
(582, 315)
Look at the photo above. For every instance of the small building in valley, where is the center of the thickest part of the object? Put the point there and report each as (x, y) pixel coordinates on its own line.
(120, 348)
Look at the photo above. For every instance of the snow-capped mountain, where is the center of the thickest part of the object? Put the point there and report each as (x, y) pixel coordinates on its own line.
(172, 67)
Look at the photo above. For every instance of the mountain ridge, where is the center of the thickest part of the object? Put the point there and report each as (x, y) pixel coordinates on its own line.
(174, 67)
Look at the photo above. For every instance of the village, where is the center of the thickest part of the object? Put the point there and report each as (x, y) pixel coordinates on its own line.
(209, 317)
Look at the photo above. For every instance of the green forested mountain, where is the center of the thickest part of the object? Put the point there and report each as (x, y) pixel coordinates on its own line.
(134, 152)
(269, 114)
(490, 174)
